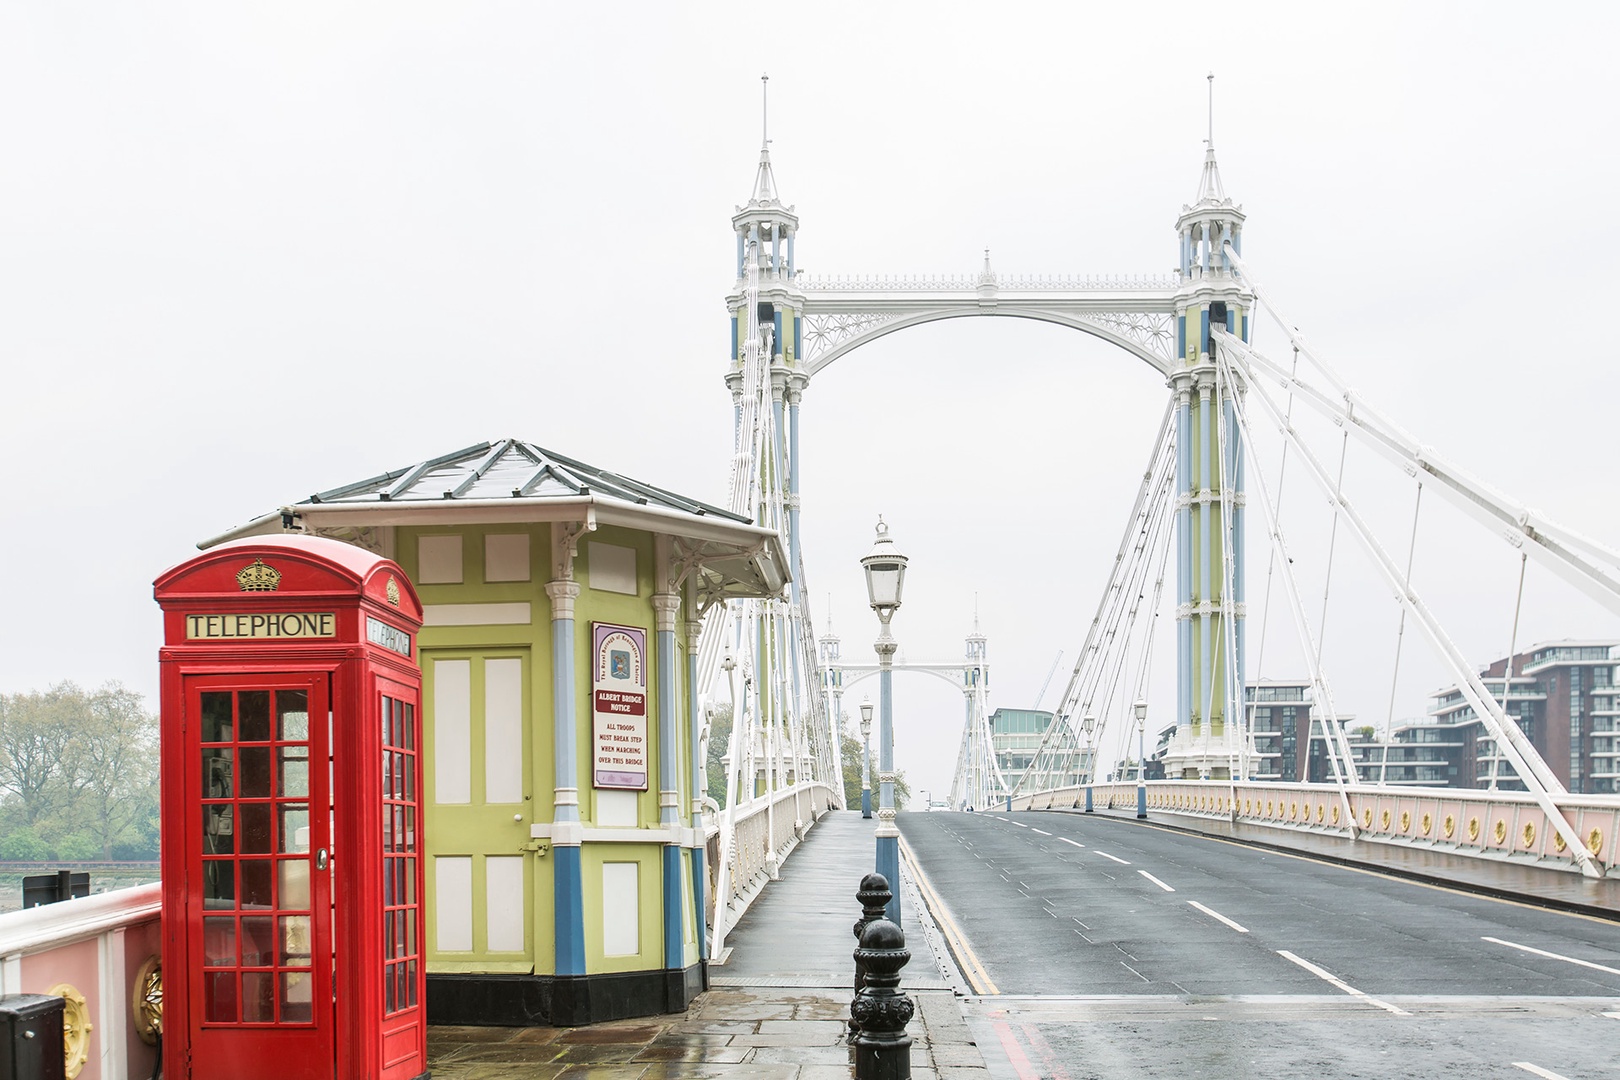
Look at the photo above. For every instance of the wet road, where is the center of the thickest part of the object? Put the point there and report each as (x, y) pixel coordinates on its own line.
(1106, 948)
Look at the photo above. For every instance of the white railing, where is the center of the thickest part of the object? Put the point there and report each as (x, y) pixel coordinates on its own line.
(762, 832)
(92, 948)
(1503, 825)
(972, 282)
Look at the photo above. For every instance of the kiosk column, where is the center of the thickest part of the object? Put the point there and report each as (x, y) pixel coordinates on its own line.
(566, 832)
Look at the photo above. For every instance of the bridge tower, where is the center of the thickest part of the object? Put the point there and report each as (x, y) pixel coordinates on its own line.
(1209, 490)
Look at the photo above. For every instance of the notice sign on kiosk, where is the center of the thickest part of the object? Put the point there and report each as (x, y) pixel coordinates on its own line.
(619, 706)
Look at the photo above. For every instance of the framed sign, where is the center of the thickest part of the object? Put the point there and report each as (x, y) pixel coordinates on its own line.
(619, 706)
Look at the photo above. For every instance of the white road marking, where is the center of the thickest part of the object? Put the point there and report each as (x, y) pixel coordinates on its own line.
(1553, 956)
(1066, 840)
(1613, 1016)
(1020, 824)
(1545, 1074)
(1116, 858)
(1212, 913)
(1155, 881)
(1341, 984)
(1041, 831)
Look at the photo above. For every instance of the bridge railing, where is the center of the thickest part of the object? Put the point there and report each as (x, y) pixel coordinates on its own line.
(743, 853)
(1505, 825)
(89, 951)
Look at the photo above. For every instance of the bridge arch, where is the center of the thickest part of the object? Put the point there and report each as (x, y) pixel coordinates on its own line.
(1158, 360)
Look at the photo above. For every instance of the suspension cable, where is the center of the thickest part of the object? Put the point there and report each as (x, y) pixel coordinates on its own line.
(1513, 645)
(1400, 637)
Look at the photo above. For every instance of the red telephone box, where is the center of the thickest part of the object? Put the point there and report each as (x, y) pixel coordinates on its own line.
(291, 815)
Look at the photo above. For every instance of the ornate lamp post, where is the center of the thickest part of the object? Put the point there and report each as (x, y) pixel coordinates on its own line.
(866, 759)
(1088, 724)
(885, 571)
(1141, 758)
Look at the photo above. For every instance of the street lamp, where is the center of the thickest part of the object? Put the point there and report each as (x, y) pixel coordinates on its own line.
(1089, 723)
(885, 570)
(1141, 758)
(866, 759)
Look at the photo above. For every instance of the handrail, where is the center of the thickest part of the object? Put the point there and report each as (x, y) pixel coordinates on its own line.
(49, 926)
(1505, 825)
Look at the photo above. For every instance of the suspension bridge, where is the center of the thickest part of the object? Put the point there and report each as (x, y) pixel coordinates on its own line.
(1233, 432)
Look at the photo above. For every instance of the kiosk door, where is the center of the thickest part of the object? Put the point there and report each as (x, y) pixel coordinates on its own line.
(259, 934)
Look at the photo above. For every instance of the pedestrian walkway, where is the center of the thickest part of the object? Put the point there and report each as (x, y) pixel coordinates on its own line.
(778, 1007)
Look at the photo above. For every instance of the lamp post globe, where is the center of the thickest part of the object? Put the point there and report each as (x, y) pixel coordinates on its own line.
(866, 759)
(1141, 758)
(885, 569)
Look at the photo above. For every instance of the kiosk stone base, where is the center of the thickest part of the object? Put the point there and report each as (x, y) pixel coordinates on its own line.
(496, 1000)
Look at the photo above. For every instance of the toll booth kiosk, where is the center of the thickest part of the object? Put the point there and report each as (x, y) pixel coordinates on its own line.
(291, 815)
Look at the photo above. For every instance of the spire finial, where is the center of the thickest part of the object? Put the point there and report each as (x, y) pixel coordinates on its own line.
(765, 110)
(1211, 140)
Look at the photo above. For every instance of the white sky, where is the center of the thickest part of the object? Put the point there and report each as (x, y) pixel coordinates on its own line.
(250, 251)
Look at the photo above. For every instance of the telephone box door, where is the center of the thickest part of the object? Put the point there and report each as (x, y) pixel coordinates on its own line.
(259, 932)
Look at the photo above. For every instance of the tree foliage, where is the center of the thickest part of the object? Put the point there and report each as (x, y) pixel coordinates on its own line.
(78, 773)
(850, 761)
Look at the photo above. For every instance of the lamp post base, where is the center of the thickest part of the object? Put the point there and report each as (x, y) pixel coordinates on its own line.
(866, 803)
(1141, 802)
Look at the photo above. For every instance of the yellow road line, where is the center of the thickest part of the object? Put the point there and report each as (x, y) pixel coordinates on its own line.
(972, 967)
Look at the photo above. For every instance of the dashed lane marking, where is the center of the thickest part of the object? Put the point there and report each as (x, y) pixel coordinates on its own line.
(1076, 843)
(1552, 956)
(1334, 980)
(1212, 913)
(1545, 1074)
(1043, 832)
(1155, 881)
(1116, 858)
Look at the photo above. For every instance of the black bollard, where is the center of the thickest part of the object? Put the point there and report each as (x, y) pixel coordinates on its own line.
(882, 1047)
(874, 896)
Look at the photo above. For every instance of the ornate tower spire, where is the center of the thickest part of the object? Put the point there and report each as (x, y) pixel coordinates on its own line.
(1210, 612)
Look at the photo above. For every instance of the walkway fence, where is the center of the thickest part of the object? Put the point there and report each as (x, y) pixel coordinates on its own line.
(91, 952)
(746, 847)
(1505, 825)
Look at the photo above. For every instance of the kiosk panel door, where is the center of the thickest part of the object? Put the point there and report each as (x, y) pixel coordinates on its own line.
(259, 935)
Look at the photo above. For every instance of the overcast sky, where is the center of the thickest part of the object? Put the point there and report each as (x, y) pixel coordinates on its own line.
(251, 251)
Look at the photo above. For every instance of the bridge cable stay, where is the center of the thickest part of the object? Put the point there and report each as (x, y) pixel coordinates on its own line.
(1149, 515)
(1152, 504)
(1513, 646)
(1228, 462)
(1113, 702)
(1271, 553)
(1106, 616)
(1532, 770)
(1593, 567)
(1400, 634)
(1296, 606)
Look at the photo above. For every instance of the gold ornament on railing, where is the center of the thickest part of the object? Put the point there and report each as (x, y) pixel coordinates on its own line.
(146, 1000)
(76, 1028)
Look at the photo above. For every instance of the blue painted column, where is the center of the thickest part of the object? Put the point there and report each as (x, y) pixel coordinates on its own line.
(666, 606)
(1184, 494)
(888, 837)
(1202, 700)
(566, 833)
(793, 391)
(700, 777)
